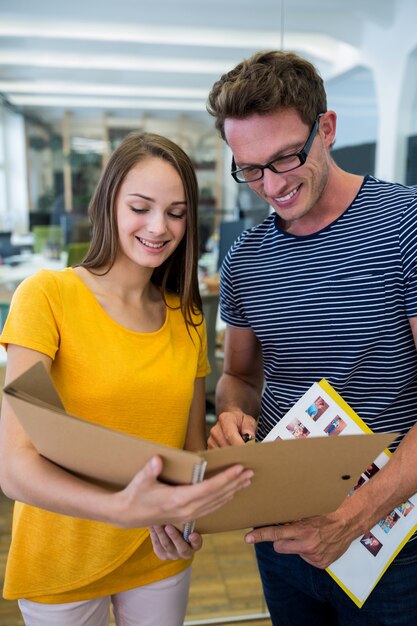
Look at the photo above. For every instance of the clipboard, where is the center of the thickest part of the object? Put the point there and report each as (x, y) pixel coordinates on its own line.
(293, 478)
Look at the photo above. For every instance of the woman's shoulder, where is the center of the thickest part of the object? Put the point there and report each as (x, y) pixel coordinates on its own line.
(48, 279)
(49, 284)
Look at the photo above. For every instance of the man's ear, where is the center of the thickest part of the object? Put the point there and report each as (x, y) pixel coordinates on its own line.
(327, 128)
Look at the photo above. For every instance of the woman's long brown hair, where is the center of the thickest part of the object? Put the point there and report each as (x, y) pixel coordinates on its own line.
(178, 273)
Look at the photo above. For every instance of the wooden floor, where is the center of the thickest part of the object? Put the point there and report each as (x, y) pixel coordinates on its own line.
(225, 581)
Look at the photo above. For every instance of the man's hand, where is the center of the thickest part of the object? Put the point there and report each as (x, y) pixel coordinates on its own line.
(319, 540)
(230, 429)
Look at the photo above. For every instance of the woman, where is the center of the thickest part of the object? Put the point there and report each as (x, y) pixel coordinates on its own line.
(123, 337)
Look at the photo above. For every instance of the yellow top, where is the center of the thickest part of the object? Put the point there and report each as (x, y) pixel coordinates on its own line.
(138, 383)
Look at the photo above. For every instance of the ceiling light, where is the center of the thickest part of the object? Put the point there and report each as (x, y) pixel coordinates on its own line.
(112, 62)
(106, 103)
(59, 87)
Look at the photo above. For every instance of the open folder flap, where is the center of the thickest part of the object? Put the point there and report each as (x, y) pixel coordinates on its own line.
(88, 449)
(37, 385)
(293, 479)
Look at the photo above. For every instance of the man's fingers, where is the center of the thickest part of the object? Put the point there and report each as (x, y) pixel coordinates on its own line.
(267, 533)
(282, 532)
(230, 428)
(217, 437)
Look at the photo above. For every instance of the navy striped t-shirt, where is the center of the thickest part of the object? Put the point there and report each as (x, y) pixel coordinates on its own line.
(334, 305)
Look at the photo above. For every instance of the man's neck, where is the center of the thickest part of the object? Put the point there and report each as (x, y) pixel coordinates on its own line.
(340, 191)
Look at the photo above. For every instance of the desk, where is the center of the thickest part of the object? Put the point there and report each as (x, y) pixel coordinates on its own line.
(210, 307)
(12, 275)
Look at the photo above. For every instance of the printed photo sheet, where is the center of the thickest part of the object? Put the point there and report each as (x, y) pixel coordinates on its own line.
(322, 412)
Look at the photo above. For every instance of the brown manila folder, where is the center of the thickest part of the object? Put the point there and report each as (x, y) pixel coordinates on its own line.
(292, 478)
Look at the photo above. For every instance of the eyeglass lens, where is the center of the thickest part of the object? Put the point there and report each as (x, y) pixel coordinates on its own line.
(279, 165)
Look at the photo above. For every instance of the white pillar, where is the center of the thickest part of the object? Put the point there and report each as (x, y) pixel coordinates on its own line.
(391, 53)
(230, 187)
(14, 214)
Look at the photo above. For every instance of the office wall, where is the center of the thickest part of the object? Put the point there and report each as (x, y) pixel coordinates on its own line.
(14, 202)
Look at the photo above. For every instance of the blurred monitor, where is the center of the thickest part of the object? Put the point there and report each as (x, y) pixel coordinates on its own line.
(7, 249)
(39, 218)
(76, 228)
(229, 232)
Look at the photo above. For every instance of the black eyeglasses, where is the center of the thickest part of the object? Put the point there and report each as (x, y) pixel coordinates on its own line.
(280, 165)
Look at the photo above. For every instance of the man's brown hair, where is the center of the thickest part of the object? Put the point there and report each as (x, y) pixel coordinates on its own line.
(266, 82)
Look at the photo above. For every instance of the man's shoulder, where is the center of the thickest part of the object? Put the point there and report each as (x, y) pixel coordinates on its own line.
(389, 199)
(372, 183)
(255, 234)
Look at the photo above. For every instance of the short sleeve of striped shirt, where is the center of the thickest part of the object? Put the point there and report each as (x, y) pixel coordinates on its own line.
(232, 307)
(230, 310)
(408, 248)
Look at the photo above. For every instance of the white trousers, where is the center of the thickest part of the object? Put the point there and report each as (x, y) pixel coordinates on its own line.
(159, 604)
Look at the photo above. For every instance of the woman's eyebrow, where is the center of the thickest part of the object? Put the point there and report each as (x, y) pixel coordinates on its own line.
(141, 195)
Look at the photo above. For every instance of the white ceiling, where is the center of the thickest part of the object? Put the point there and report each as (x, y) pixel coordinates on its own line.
(130, 58)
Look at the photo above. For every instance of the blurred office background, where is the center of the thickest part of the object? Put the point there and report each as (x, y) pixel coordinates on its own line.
(76, 76)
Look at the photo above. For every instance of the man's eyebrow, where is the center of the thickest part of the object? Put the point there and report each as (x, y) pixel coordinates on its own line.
(293, 149)
(141, 195)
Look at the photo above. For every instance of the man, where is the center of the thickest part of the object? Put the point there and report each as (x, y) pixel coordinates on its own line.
(325, 287)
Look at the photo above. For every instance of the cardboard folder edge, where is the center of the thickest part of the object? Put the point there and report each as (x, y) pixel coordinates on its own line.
(85, 448)
(280, 492)
(228, 517)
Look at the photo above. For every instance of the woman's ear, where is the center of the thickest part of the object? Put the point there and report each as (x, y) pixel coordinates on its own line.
(327, 128)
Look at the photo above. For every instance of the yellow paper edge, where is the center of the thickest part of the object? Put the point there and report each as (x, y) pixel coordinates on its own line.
(326, 386)
(360, 603)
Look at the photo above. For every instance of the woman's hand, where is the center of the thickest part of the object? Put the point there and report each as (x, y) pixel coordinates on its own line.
(169, 544)
(148, 502)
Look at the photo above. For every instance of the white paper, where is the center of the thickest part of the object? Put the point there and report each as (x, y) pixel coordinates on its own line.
(319, 414)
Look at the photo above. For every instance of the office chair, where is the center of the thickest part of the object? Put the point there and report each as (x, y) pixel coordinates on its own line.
(77, 252)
